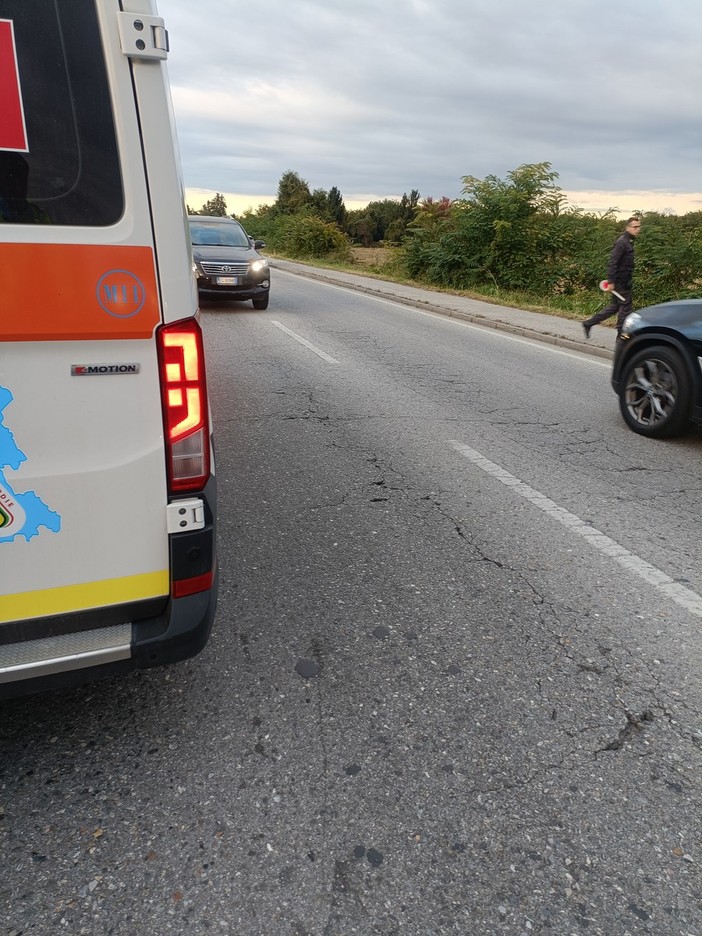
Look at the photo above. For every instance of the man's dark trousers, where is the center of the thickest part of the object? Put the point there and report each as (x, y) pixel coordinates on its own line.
(616, 307)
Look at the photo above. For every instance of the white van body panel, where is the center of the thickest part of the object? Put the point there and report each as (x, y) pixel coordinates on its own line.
(94, 445)
(164, 173)
(84, 480)
(102, 473)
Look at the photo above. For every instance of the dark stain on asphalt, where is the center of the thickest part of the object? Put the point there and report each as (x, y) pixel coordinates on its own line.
(375, 858)
(308, 669)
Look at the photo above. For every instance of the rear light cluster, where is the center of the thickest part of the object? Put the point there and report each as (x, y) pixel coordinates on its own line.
(185, 408)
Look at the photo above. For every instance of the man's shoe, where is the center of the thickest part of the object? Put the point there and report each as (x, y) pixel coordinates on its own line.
(586, 329)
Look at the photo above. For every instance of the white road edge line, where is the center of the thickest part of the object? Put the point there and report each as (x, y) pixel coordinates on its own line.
(306, 343)
(489, 329)
(685, 597)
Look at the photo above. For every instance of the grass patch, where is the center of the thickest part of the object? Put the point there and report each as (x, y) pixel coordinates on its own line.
(384, 263)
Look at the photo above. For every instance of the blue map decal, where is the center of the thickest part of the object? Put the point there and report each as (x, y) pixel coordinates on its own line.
(21, 514)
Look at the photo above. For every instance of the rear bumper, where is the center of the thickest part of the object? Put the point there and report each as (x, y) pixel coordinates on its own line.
(179, 633)
(68, 660)
(71, 649)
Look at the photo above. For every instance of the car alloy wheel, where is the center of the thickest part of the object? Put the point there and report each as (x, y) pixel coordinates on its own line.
(655, 395)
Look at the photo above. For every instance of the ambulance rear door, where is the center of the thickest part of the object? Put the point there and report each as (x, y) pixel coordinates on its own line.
(83, 475)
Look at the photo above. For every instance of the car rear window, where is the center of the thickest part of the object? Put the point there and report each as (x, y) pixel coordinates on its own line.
(58, 152)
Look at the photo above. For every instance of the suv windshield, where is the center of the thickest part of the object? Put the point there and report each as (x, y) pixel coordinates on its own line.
(219, 234)
(58, 152)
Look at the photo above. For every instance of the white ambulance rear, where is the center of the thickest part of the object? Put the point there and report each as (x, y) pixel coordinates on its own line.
(107, 495)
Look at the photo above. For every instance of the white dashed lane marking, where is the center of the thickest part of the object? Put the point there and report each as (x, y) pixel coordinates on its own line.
(663, 583)
(306, 343)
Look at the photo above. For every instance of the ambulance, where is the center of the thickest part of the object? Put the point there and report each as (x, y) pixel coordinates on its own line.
(107, 489)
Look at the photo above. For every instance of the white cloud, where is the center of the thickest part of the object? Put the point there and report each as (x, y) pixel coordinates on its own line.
(390, 95)
(260, 103)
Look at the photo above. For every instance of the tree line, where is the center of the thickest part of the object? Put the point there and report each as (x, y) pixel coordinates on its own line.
(511, 236)
(306, 222)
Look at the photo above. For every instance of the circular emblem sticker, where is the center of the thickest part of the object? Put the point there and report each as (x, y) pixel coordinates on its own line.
(121, 293)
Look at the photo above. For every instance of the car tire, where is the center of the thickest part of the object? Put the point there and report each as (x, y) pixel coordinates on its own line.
(655, 393)
(260, 303)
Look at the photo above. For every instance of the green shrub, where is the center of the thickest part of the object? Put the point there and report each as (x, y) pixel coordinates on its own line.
(308, 236)
(519, 235)
(299, 236)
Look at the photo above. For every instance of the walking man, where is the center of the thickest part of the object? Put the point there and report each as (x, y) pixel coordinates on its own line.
(620, 270)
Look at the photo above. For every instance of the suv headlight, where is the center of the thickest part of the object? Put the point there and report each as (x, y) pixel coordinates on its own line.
(259, 265)
(631, 321)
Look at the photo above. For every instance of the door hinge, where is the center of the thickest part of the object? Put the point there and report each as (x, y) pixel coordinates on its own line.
(144, 37)
(185, 515)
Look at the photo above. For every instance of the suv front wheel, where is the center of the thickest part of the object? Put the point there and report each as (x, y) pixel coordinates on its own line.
(655, 393)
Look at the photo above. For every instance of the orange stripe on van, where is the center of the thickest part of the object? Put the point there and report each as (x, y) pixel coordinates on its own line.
(63, 292)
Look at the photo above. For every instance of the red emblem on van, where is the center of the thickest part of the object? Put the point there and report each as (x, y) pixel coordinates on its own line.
(121, 293)
(13, 132)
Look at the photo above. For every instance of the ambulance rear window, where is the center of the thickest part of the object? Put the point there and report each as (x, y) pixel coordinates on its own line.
(58, 153)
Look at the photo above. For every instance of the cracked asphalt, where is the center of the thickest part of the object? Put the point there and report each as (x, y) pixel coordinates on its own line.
(426, 707)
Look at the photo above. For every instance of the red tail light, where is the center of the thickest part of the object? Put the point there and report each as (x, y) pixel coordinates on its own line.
(185, 411)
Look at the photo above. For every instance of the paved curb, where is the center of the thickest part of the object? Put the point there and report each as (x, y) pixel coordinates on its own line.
(474, 318)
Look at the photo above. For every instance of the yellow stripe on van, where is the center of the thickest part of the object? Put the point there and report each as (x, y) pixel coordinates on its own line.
(67, 598)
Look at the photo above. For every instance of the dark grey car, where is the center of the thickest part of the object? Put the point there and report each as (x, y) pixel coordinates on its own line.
(227, 262)
(657, 372)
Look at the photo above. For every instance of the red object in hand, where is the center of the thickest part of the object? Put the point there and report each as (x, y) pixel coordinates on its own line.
(608, 287)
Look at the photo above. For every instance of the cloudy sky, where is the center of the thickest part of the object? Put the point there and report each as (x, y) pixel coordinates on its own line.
(379, 97)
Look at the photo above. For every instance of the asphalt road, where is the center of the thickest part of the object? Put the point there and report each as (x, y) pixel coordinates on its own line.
(454, 684)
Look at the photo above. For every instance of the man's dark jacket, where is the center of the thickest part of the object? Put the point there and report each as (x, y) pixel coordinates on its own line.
(620, 268)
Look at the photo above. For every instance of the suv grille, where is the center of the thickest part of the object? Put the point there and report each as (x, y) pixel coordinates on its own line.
(225, 269)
